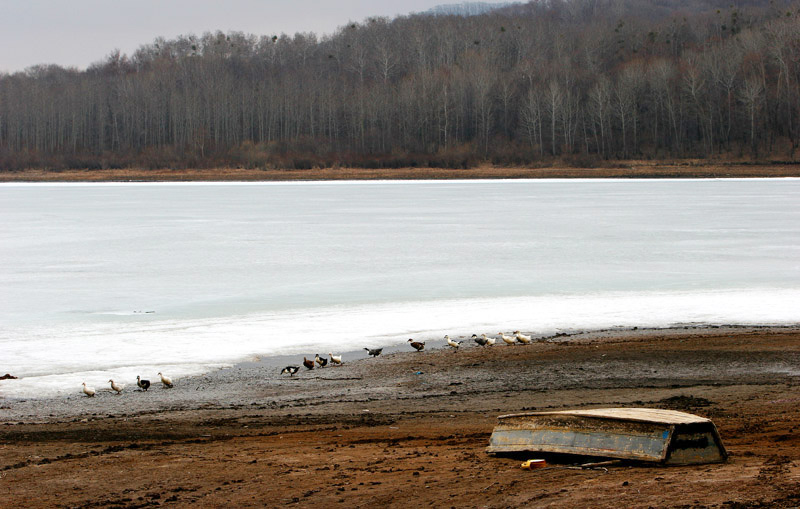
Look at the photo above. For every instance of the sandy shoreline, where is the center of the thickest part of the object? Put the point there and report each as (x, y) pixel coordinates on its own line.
(377, 432)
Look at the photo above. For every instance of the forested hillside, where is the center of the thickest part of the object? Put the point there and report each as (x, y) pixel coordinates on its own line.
(467, 8)
(574, 81)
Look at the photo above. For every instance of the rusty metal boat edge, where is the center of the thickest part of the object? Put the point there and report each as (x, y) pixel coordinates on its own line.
(643, 434)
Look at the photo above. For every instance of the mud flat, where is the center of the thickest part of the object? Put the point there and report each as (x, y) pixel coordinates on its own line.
(410, 427)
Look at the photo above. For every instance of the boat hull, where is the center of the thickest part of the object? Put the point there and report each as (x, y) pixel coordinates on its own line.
(674, 438)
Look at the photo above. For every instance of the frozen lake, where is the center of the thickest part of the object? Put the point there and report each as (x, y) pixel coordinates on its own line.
(113, 280)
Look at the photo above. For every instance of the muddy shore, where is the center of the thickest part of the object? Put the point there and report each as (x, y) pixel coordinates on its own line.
(619, 169)
(412, 427)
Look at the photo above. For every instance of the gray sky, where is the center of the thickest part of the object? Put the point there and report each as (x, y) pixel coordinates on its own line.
(79, 32)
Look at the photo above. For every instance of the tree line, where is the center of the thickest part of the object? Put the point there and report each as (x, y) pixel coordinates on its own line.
(577, 81)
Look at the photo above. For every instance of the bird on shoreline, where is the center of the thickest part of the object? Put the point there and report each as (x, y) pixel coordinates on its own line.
(143, 384)
(509, 340)
(89, 391)
(481, 341)
(335, 359)
(454, 344)
(307, 363)
(374, 351)
(489, 341)
(322, 361)
(167, 381)
(115, 386)
(522, 338)
(290, 369)
(417, 345)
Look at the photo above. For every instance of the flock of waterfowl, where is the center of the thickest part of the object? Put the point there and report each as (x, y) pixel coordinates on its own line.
(336, 360)
(140, 382)
(482, 340)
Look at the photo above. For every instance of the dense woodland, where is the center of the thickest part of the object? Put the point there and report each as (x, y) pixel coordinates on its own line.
(568, 81)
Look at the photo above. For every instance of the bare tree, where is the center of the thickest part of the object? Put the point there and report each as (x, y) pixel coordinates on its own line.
(751, 95)
(600, 107)
(555, 100)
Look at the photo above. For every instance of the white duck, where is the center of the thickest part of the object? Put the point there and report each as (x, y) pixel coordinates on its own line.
(115, 386)
(489, 341)
(509, 340)
(167, 381)
(522, 338)
(335, 359)
(89, 391)
(454, 344)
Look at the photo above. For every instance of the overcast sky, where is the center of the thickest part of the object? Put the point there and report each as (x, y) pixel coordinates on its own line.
(79, 32)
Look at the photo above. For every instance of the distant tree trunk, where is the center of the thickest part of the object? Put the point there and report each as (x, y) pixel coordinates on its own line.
(751, 96)
(555, 98)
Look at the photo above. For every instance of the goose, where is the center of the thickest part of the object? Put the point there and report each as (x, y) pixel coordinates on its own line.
(307, 363)
(143, 384)
(374, 351)
(452, 343)
(115, 386)
(489, 341)
(417, 345)
(481, 341)
(335, 359)
(322, 361)
(507, 339)
(89, 391)
(290, 369)
(522, 338)
(167, 381)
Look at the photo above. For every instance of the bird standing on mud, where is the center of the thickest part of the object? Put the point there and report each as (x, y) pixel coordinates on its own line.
(167, 381)
(290, 369)
(454, 344)
(143, 384)
(522, 338)
(374, 351)
(335, 359)
(322, 361)
(307, 363)
(489, 341)
(417, 345)
(115, 386)
(89, 391)
(481, 341)
(509, 340)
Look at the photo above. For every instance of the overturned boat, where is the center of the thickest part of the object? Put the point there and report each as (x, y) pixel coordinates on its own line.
(642, 434)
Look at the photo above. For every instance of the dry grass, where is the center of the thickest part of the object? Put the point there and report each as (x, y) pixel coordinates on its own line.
(625, 169)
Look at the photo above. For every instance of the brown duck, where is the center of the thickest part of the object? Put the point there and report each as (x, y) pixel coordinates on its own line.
(417, 345)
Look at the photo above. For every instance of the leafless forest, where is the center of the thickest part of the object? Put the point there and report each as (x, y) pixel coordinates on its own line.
(574, 81)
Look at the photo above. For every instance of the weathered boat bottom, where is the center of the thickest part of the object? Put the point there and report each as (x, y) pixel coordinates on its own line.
(641, 434)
